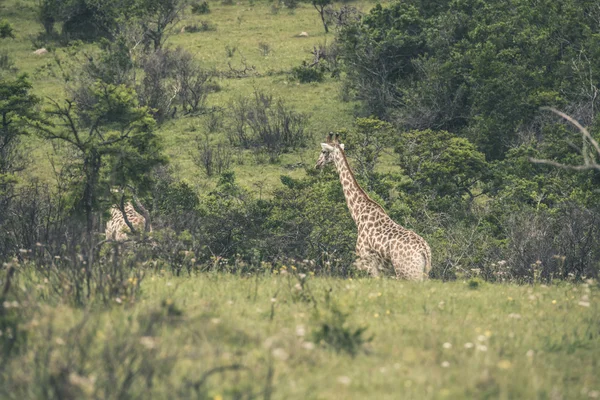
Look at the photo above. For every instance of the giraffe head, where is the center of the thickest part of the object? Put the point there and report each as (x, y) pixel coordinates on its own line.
(329, 150)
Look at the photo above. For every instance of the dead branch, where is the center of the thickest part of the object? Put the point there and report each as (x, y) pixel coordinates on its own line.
(589, 160)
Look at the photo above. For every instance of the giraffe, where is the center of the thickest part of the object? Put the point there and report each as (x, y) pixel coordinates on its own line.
(124, 219)
(381, 241)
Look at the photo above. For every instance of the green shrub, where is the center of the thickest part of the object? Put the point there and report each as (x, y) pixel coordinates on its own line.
(205, 26)
(6, 30)
(200, 8)
(474, 283)
(267, 125)
(335, 332)
(307, 74)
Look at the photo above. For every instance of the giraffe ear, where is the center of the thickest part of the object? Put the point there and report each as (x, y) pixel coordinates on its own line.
(342, 146)
(326, 147)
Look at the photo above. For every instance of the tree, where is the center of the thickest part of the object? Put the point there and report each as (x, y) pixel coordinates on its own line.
(18, 112)
(172, 78)
(321, 7)
(477, 69)
(113, 141)
(378, 51)
(48, 14)
(441, 166)
(158, 17)
(365, 144)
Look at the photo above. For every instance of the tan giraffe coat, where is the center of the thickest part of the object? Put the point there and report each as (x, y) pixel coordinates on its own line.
(379, 237)
(117, 229)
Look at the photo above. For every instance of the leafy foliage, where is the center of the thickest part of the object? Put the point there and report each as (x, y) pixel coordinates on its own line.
(113, 140)
(6, 30)
(365, 144)
(441, 166)
(335, 332)
(200, 8)
(18, 113)
(306, 74)
(476, 69)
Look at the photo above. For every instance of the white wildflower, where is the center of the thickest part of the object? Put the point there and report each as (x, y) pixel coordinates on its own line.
(308, 345)
(344, 380)
(530, 353)
(280, 354)
(148, 342)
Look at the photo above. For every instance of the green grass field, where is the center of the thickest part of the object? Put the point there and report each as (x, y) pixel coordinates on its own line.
(229, 336)
(243, 27)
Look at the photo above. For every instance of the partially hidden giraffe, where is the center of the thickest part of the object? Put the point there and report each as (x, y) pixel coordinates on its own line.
(381, 241)
(123, 218)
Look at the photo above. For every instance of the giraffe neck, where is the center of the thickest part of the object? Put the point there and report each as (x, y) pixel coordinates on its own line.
(359, 203)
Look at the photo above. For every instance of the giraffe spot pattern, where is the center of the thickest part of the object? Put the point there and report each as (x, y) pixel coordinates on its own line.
(382, 244)
(116, 227)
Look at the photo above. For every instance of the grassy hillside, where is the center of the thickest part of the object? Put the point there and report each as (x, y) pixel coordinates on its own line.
(265, 36)
(225, 336)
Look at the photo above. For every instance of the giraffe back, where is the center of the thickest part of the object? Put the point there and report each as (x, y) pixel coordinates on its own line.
(116, 227)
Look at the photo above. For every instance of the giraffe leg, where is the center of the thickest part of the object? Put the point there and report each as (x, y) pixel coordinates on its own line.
(411, 268)
(371, 263)
(367, 260)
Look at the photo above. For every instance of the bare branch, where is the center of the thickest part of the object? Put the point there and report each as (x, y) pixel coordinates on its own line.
(588, 162)
(583, 130)
(584, 167)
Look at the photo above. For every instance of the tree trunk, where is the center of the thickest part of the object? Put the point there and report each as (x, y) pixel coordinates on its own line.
(321, 10)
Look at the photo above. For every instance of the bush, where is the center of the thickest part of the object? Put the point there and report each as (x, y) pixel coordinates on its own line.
(290, 4)
(205, 26)
(307, 74)
(260, 122)
(212, 158)
(472, 77)
(447, 169)
(334, 332)
(172, 78)
(48, 14)
(50, 244)
(6, 30)
(200, 8)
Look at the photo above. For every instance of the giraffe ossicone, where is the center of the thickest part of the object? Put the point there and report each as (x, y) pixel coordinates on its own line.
(382, 244)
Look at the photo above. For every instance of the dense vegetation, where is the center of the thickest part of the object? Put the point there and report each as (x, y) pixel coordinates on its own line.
(449, 115)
